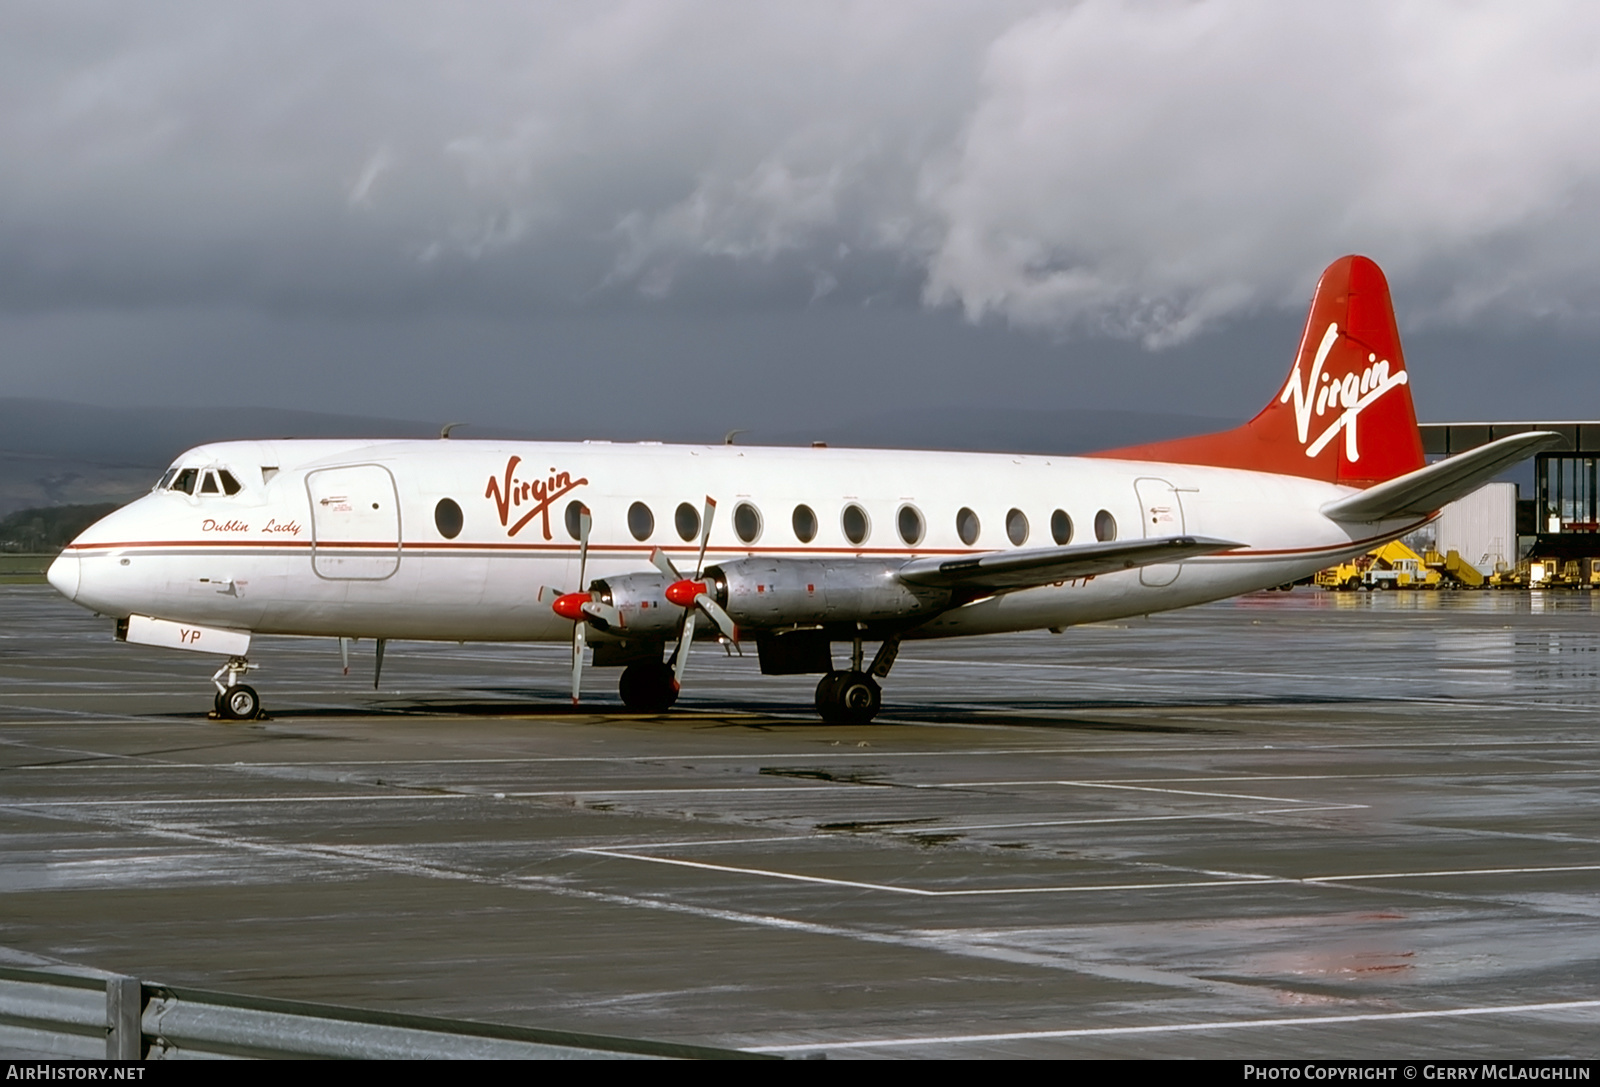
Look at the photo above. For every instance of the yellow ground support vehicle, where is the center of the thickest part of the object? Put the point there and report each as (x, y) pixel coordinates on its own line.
(1392, 566)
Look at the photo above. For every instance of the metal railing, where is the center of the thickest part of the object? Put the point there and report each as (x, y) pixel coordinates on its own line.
(59, 1014)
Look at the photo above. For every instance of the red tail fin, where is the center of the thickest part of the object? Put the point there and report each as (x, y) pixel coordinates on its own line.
(1345, 414)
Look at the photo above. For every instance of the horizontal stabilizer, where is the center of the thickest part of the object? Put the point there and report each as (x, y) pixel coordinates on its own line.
(1427, 490)
(1004, 571)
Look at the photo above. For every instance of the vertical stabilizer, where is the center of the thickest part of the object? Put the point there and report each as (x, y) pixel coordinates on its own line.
(1344, 415)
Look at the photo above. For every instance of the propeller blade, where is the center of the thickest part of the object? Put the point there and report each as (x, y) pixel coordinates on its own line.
(685, 640)
(659, 559)
(548, 595)
(705, 535)
(579, 630)
(600, 613)
(578, 642)
(683, 593)
(723, 620)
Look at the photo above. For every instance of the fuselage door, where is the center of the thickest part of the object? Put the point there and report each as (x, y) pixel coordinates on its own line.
(1162, 514)
(355, 523)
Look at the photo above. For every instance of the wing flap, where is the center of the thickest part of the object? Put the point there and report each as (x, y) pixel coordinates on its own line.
(1427, 490)
(1007, 571)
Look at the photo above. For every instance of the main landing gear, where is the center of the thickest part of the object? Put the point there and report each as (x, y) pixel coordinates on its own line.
(848, 698)
(648, 686)
(236, 701)
(853, 696)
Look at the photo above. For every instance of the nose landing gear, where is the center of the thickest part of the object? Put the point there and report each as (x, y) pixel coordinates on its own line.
(235, 701)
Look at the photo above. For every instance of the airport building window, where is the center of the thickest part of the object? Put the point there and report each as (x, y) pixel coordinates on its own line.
(1061, 527)
(687, 521)
(855, 523)
(574, 519)
(967, 526)
(641, 522)
(805, 523)
(1569, 494)
(909, 522)
(1105, 526)
(747, 522)
(1017, 527)
(447, 518)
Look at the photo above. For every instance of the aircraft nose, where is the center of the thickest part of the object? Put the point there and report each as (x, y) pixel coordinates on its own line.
(64, 574)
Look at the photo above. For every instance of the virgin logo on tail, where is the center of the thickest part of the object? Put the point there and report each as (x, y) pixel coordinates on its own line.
(1321, 394)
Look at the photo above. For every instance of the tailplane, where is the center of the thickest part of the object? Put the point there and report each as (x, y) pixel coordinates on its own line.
(1345, 414)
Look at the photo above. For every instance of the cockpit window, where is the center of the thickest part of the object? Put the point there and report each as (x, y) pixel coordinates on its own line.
(185, 480)
(229, 484)
(166, 479)
(208, 484)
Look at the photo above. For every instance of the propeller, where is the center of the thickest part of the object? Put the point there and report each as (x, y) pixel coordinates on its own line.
(692, 594)
(578, 606)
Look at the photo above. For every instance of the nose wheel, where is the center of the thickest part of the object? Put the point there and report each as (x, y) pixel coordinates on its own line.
(235, 701)
(240, 703)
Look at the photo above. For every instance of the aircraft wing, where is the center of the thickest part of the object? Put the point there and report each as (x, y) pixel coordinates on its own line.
(1005, 571)
(1425, 491)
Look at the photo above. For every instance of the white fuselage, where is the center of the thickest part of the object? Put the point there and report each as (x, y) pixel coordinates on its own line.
(347, 539)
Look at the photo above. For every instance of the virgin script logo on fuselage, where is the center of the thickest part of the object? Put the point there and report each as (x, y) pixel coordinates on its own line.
(1349, 397)
(511, 493)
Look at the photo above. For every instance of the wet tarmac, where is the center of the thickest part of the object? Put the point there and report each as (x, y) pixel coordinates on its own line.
(1292, 825)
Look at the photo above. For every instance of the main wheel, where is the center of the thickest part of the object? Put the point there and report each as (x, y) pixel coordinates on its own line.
(239, 703)
(648, 687)
(860, 698)
(848, 698)
(827, 701)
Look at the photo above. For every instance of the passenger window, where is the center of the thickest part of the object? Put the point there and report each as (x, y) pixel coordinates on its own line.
(910, 524)
(186, 480)
(747, 522)
(686, 519)
(967, 526)
(229, 484)
(641, 522)
(1105, 526)
(1061, 527)
(447, 518)
(1017, 527)
(805, 524)
(574, 519)
(855, 523)
(208, 484)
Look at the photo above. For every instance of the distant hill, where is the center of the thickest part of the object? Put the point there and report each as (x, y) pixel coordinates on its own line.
(54, 453)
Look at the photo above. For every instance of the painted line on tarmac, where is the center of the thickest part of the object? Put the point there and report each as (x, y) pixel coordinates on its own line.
(924, 892)
(1166, 1028)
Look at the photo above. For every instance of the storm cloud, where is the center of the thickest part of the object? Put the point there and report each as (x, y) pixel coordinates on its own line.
(653, 198)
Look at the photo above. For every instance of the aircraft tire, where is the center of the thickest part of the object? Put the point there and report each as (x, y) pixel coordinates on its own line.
(860, 698)
(848, 698)
(647, 687)
(239, 703)
(827, 701)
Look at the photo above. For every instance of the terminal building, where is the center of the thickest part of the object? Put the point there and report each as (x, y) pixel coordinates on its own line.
(1551, 509)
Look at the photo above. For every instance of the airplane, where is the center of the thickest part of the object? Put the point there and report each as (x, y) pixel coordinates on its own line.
(634, 552)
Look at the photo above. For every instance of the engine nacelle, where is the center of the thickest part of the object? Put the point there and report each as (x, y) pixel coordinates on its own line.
(768, 593)
(641, 605)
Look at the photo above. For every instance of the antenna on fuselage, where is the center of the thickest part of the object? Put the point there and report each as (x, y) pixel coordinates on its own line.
(444, 431)
(727, 439)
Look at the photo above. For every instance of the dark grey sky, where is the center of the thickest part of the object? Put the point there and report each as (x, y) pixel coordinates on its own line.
(683, 217)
